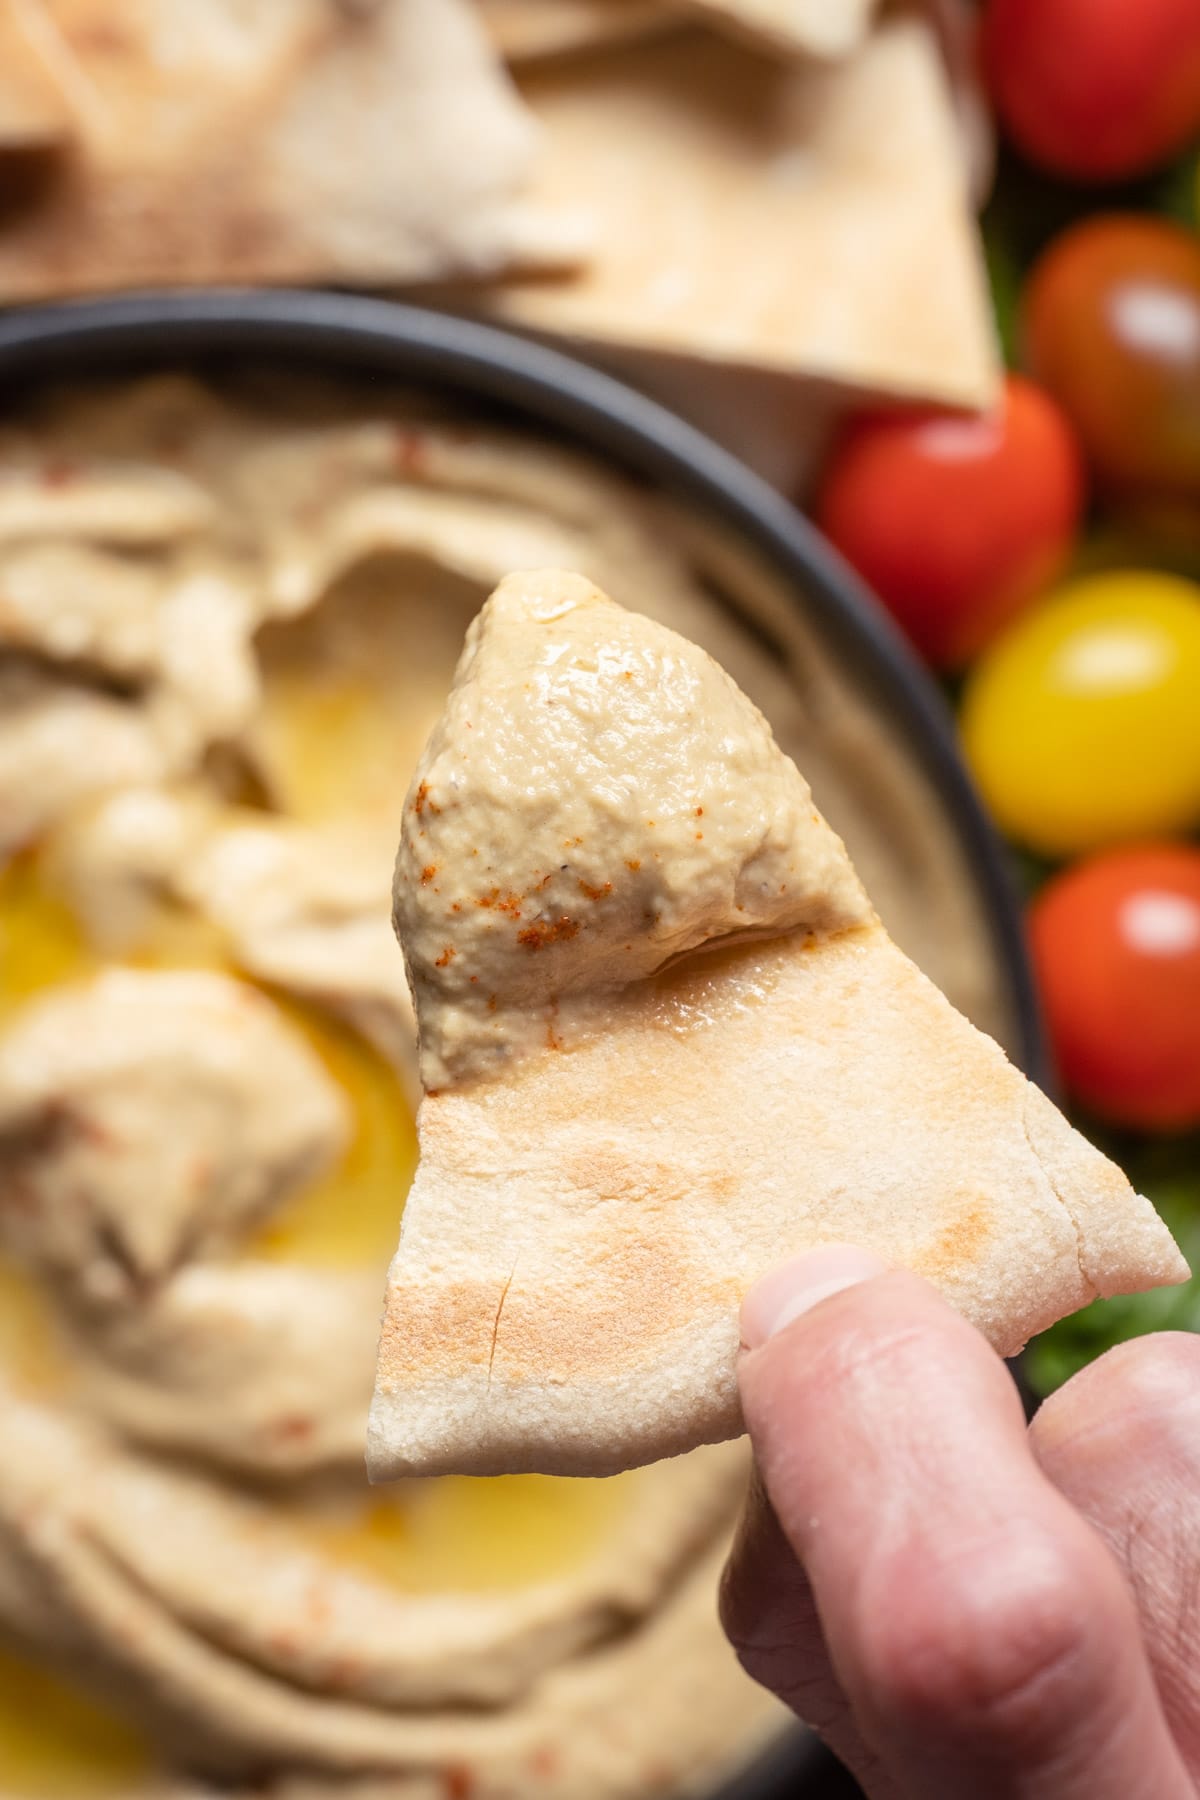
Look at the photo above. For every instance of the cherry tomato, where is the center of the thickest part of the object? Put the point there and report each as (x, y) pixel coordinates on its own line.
(956, 520)
(1082, 723)
(1116, 946)
(1111, 325)
(1095, 89)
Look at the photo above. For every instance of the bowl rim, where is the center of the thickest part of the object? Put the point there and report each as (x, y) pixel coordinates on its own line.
(92, 335)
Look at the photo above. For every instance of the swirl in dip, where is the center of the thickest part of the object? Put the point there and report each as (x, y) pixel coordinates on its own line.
(228, 620)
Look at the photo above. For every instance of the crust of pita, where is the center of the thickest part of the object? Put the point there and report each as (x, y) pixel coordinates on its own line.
(265, 150)
(739, 250)
(580, 1234)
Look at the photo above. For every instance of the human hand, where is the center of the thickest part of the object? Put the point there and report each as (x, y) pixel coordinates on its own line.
(963, 1608)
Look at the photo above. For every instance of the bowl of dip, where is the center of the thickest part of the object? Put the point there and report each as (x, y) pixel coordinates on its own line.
(241, 537)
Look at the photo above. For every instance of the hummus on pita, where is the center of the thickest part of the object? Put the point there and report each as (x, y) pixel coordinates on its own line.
(667, 1043)
(228, 621)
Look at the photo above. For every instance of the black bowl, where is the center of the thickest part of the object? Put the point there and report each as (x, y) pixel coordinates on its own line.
(550, 390)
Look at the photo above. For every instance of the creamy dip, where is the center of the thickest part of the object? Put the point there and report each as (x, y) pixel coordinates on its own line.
(681, 824)
(228, 621)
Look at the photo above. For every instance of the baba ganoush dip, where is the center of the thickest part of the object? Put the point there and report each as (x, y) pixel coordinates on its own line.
(228, 620)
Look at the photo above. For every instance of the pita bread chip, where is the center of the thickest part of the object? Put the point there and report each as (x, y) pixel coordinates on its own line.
(525, 29)
(829, 28)
(290, 140)
(811, 219)
(666, 1043)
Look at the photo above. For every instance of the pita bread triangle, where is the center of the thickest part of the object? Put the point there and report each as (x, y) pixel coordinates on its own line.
(666, 1043)
(360, 141)
(803, 217)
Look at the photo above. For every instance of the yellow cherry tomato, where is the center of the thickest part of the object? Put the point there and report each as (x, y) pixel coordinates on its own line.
(1082, 722)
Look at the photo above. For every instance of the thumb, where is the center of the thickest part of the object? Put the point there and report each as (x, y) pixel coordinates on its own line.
(980, 1630)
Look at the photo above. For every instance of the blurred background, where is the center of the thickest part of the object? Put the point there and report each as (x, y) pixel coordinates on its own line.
(932, 270)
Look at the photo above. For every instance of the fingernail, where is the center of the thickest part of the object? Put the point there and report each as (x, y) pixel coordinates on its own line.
(797, 1286)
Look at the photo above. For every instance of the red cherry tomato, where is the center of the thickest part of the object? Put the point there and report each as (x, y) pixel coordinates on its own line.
(1116, 945)
(956, 520)
(1095, 89)
(1111, 325)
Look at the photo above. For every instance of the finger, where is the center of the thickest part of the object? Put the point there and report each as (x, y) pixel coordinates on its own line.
(1122, 1442)
(770, 1617)
(980, 1629)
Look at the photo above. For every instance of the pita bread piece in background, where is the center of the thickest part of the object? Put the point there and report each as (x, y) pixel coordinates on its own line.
(811, 219)
(619, 1135)
(291, 140)
(782, 426)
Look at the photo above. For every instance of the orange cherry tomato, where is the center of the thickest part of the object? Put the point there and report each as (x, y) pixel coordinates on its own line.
(1110, 323)
(1116, 946)
(956, 520)
(1095, 89)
